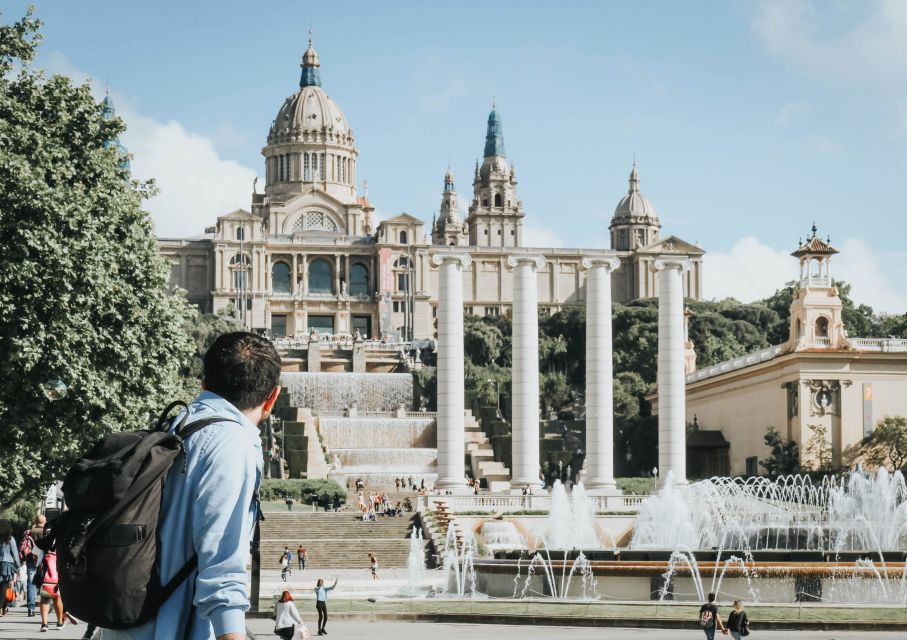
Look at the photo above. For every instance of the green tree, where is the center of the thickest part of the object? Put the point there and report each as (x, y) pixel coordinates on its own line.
(784, 455)
(83, 291)
(203, 330)
(817, 453)
(887, 446)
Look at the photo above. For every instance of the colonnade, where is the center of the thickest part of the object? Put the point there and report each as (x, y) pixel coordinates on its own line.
(525, 470)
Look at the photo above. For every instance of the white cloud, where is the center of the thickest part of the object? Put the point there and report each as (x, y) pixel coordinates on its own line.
(826, 145)
(751, 270)
(195, 184)
(872, 47)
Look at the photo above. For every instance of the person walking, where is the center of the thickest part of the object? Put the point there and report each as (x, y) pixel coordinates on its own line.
(9, 562)
(301, 556)
(373, 566)
(209, 506)
(289, 502)
(738, 623)
(287, 618)
(49, 590)
(285, 564)
(321, 604)
(709, 619)
(31, 554)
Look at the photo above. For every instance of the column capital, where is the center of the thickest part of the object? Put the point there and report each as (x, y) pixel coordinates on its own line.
(664, 264)
(609, 262)
(514, 261)
(464, 259)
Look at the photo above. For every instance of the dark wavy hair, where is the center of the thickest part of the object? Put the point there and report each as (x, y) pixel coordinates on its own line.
(242, 368)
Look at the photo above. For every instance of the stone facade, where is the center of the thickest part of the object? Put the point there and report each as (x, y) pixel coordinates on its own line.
(308, 255)
(820, 384)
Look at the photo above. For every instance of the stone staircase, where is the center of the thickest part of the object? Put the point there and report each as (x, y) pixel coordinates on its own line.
(482, 462)
(335, 540)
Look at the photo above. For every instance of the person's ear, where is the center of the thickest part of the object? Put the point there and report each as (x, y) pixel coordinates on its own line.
(271, 399)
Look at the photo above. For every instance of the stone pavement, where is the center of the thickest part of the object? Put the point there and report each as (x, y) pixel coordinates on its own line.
(263, 630)
(16, 626)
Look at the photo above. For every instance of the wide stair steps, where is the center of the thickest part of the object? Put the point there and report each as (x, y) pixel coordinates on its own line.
(335, 540)
(478, 447)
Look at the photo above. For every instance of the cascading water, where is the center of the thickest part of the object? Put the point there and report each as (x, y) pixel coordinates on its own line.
(501, 535)
(556, 577)
(334, 393)
(393, 433)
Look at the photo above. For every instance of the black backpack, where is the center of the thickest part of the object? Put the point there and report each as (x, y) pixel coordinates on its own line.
(107, 542)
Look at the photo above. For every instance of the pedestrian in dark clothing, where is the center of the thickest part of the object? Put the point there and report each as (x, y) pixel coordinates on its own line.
(9, 562)
(709, 618)
(738, 623)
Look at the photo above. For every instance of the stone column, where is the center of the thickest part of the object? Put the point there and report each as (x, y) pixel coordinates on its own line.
(451, 395)
(525, 374)
(599, 376)
(671, 380)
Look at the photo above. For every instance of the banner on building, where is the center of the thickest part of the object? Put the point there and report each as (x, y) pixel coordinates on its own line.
(385, 285)
(867, 409)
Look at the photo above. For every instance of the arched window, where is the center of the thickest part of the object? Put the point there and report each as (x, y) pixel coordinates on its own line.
(321, 276)
(799, 329)
(822, 328)
(359, 280)
(240, 234)
(280, 277)
(498, 201)
(484, 202)
(403, 237)
(305, 167)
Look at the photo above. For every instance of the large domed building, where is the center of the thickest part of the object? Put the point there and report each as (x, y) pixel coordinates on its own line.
(307, 256)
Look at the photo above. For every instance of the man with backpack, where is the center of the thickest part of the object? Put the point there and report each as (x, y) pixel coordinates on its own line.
(709, 619)
(210, 505)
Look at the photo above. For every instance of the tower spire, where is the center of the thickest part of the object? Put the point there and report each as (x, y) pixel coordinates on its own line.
(311, 66)
(494, 136)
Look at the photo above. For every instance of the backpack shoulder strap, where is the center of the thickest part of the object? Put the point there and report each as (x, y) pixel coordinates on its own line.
(192, 428)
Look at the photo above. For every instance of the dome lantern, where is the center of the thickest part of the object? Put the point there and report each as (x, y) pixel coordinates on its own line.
(311, 67)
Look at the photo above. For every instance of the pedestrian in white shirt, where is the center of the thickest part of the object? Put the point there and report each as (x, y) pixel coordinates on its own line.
(288, 619)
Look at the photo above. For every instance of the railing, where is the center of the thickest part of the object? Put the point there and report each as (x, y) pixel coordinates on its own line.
(345, 341)
(885, 345)
(378, 414)
(303, 237)
(822, 343)
(817, 281)
(510, 504)
(763, 355)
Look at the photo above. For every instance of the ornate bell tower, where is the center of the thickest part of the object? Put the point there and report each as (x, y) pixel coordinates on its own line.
(447, 229)
(815, 313)
(496, 213)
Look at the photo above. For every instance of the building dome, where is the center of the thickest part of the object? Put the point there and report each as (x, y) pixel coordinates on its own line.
(635, 204)
(310, 113)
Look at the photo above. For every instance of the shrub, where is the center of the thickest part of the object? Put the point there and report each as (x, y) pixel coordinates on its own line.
(301, 490)
(636, 486)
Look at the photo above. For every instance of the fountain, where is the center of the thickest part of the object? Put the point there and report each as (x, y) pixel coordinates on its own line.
(459, 564)
(571, 520)
(415, 564)
(501, 535)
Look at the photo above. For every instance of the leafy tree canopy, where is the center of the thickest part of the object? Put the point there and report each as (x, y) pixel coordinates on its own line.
(83, 291)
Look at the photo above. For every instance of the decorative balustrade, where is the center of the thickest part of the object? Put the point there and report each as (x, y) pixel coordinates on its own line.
(739, 362)
(329, 341)
(817, 282)
(821, 343)
(893, 345)
(513, 503)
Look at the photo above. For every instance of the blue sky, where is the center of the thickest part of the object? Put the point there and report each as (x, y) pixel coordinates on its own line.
(748, 119)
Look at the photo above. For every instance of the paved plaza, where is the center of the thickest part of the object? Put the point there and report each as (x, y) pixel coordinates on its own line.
(16, 626)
